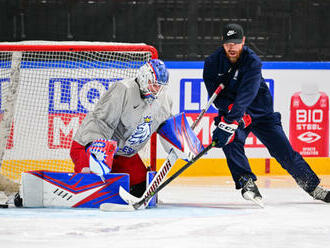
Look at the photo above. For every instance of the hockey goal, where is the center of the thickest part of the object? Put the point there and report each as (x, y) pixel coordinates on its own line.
(46, 89)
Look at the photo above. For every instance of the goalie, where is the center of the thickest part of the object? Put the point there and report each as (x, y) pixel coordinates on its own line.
(110, 137)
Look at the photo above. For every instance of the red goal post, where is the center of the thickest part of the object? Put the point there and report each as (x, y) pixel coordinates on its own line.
(46, 89)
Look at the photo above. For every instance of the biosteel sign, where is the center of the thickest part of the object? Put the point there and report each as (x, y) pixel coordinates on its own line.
(309, 125)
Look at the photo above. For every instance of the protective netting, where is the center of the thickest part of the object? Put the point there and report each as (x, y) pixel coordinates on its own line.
(45, 93)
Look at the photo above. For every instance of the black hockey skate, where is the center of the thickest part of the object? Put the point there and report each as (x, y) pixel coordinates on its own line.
(321, 193)
(250, 190)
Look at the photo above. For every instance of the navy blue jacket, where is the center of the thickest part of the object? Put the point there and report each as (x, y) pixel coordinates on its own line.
(245, 87)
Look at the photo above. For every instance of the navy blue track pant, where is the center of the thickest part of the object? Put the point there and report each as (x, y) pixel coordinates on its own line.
(270, 132)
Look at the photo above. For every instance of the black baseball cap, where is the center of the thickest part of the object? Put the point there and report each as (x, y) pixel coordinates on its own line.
(232, 33)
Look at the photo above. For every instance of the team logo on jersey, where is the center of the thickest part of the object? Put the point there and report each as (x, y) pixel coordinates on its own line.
(142, 132)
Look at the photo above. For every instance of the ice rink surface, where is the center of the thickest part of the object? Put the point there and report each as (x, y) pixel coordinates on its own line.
(195, 212)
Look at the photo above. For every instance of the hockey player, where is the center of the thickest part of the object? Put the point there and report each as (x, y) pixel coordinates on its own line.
(239, 68)
(123, 120)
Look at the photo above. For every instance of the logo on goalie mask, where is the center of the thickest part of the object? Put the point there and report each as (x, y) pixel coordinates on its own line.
(152, 77)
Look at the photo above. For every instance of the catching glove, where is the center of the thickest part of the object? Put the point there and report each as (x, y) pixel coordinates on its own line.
(224, 133)
(101, 154)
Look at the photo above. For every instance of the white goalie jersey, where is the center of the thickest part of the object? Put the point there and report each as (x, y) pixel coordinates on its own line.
(122, 115)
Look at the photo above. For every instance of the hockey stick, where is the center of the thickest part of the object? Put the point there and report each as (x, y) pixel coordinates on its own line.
(172, 156)
(165, 168)
(135, 203)
(175, 175)
(209, 103)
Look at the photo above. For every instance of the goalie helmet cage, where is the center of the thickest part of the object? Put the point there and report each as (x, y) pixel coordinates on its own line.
(46, 89)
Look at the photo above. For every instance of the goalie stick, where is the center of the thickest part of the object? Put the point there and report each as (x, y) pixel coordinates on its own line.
(167, 165)
(137, 203)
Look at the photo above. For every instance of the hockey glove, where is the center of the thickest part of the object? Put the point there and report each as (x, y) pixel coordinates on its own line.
(245, 121)
(101, 154)
(224, 133)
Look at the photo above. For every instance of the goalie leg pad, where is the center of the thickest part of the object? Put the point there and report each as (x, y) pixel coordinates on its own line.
(65, 189)
(154, 200)
(79, 190)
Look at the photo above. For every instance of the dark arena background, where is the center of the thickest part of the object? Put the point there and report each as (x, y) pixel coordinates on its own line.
(278, 30)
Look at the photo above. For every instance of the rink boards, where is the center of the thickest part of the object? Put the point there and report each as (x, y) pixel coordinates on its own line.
(189, 95)
(203, 167)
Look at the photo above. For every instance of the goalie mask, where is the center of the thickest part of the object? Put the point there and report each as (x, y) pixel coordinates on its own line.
(152, 78)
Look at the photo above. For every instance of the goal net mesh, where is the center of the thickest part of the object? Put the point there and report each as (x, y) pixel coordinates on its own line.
(46, 90)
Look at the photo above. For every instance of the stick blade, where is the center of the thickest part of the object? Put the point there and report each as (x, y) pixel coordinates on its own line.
(127, 197)
(113, 207)
(137, 203)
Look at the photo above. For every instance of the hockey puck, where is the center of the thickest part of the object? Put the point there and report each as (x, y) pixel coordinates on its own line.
(3, 205)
